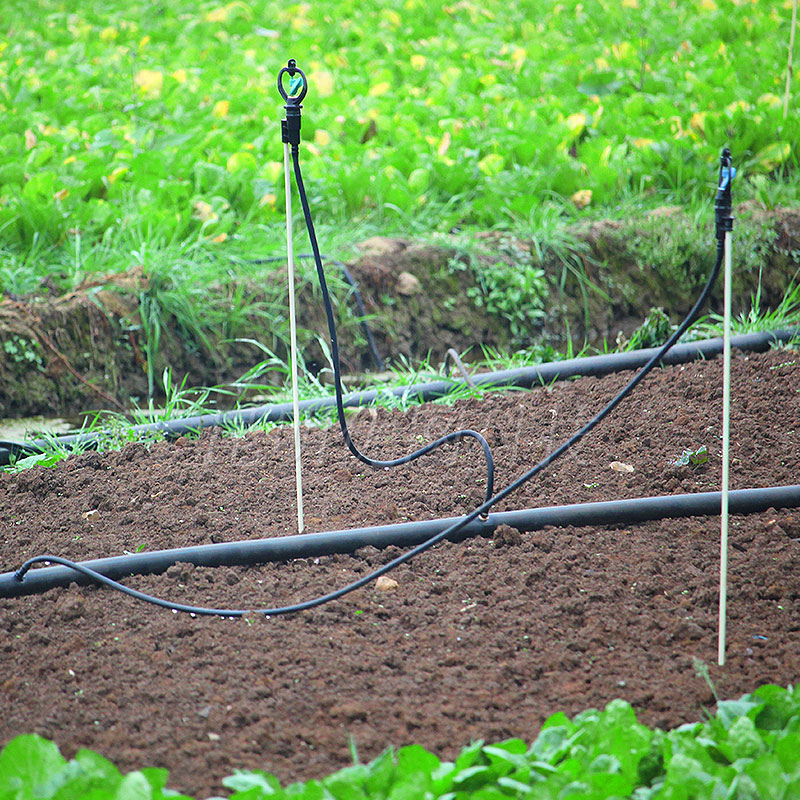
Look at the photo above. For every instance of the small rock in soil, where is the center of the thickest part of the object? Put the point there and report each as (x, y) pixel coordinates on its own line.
(620, 466)
(386, 584)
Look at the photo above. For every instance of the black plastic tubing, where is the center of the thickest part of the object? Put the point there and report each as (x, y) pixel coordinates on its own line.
(408, 534)
(523, 377)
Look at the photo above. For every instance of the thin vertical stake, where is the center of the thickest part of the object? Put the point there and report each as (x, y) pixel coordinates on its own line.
(726, 430)
(789, 67)
(293, 337)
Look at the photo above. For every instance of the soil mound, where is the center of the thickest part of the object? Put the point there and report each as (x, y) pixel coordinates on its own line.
(482, 639)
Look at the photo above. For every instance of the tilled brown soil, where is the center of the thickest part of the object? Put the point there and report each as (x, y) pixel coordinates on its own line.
(482, 639)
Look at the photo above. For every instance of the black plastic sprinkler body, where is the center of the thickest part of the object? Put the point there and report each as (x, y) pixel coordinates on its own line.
(723, 203)
(407, 534)
(457, 526)
(290, 128)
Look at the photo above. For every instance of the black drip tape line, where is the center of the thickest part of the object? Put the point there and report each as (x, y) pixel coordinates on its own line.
(522, 377)
(409, 534)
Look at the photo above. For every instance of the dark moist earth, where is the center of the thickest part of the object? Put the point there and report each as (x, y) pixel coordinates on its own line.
(482, 639)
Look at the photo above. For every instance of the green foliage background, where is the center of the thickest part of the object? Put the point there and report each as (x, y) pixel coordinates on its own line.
(162, 118)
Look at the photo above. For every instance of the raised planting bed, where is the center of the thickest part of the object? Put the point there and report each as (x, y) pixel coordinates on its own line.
(482, 639)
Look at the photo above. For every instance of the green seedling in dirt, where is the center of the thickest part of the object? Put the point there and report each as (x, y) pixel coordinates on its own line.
(695, 458)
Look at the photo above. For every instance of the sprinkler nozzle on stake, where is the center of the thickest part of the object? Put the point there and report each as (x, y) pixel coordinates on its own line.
(290, 127)
(724, 205)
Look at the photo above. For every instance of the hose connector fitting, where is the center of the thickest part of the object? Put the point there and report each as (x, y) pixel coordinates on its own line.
(298, 87)
(723, 206)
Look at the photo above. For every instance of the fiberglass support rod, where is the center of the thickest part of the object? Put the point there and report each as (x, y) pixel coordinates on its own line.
(724, 220)
(298, 469)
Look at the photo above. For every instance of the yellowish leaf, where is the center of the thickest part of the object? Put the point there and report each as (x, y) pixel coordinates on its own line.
(149, 82)
(392, 17)
(322, 137)
(217, 14)
(622, 50)
(379, 89)
(220, 238)
(770, 99)
(116, 174)
(204, 212)
(274, 170)
(418, 61)
(582, 198)
(108, 34)
(736, 105)
(770, 157)
(323, 83)
(221, 108)
(239, 161)
(576, 123)
(269, 200)
(698, 120)
(492, 164)
(61, 194)
(180, 75)
(518, 56)
(30, 139)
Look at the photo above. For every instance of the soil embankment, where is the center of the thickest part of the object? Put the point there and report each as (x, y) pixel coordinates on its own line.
(92, 349)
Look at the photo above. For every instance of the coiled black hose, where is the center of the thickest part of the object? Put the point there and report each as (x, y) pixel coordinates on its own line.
(337, 376)
(449, 531)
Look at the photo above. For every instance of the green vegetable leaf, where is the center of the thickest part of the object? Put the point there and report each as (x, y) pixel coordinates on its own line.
(27, 762)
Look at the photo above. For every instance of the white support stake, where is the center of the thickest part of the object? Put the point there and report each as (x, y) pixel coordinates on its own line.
(293, 337)
(726, 414)
(789, 67)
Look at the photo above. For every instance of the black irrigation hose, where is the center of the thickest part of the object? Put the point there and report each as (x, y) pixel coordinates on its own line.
(362, 312)
(521, 377)
(407, 534)
(337, 376)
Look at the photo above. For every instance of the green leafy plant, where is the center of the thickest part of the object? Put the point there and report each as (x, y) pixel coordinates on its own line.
(694, 458)
(750, 748)
(178, 149)
(511, 288)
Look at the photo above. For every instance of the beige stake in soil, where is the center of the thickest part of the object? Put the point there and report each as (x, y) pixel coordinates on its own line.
(726, 414)
(293, 337)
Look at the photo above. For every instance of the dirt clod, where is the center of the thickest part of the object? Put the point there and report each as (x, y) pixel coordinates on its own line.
(505, 535)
